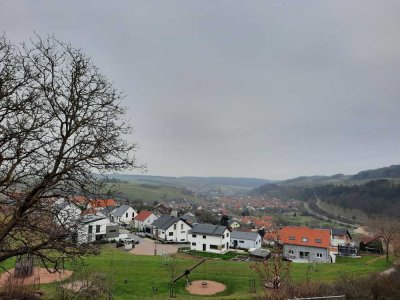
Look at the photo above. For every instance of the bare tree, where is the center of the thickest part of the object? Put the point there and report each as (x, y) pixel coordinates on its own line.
(388, 229)
(61, 121)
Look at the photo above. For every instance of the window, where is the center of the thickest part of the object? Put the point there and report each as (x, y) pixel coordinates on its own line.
(304, 254)
(174, 226)
(318, 241)
(291, 238)
(181, 226)
(241, 242)
(291, 251)
(97, 228)
(113, 230)
(319, 255)
(227, 234)
(171, 233)
(126, 215)
(223, 246)
(193, 244)
(204, 236)
(193, 235)
(183, 231)
(182, 240)
(305, 240)
(90, 229)
(213, 247)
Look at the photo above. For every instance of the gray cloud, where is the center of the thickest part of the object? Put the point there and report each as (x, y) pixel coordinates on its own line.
(270, 89)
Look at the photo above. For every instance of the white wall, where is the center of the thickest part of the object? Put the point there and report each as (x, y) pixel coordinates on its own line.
(180, 234)
(83, 232)
(150, 219)
(247, 244)
(69, 215)
(127, 219)
(197, 242)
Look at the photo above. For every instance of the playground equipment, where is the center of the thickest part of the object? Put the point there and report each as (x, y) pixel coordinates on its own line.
(172, 292)
(24, 266)
(187, 272)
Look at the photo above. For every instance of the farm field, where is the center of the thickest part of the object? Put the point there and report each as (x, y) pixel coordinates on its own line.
(150, 193)
(134, 276)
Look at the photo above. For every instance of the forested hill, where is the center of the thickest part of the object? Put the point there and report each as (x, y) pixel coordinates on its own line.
(373, 191)
(387, 172)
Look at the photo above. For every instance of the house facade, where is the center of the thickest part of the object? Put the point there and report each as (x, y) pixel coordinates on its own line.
(123, 214)
(210, 238)
(303, 244)
(340, 237)
(94, 228)
(245, 240)
(144, 219)
(171, 229)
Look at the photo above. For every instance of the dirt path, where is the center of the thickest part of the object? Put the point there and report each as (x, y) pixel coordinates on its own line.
(375, 259)
(40, 275)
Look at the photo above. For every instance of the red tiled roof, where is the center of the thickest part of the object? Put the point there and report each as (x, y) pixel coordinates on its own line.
(143, 215)
(271, 236)
(103, 202)
(79, 199)
(315, 237)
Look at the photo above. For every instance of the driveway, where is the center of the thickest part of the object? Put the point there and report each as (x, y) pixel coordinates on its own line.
(146, 247)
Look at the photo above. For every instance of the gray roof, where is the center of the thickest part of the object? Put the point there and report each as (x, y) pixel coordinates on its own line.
(208, 229)
(242, 235)
(260, 253)
(340, 231)
(166, 221)
(93, 218)
(108, 209)
(120, 210)
(61, 205)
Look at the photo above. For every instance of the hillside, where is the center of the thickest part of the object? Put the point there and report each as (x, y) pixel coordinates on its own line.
(227, 185)
(150, 193)
(371, 192)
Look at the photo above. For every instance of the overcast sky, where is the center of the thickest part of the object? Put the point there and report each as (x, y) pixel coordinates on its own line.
(269, 89)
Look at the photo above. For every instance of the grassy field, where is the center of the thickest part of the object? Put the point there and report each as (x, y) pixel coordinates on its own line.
(150, 193)
(133, 276)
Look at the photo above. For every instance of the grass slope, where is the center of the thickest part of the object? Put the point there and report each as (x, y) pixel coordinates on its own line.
(141, 272)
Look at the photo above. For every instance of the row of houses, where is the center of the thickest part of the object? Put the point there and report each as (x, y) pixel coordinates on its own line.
(93, 220)
(201, 237)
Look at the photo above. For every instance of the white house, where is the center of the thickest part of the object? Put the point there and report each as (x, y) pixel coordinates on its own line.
(245, 240)
(67, 212)
(144, 219)
(123, 214)
(210, 238)
(92, 228)
(171, 229)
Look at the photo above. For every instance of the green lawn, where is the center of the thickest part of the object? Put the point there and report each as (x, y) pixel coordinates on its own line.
(226, 256)
(141, 272)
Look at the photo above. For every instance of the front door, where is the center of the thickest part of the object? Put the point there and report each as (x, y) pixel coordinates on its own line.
(204, 247)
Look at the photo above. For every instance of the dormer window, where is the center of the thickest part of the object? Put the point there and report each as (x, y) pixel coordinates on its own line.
(318, 241)
(305, 240)
(291, 238)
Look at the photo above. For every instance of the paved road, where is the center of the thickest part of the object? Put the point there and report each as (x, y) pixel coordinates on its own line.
(146, 247)
(307, 207)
